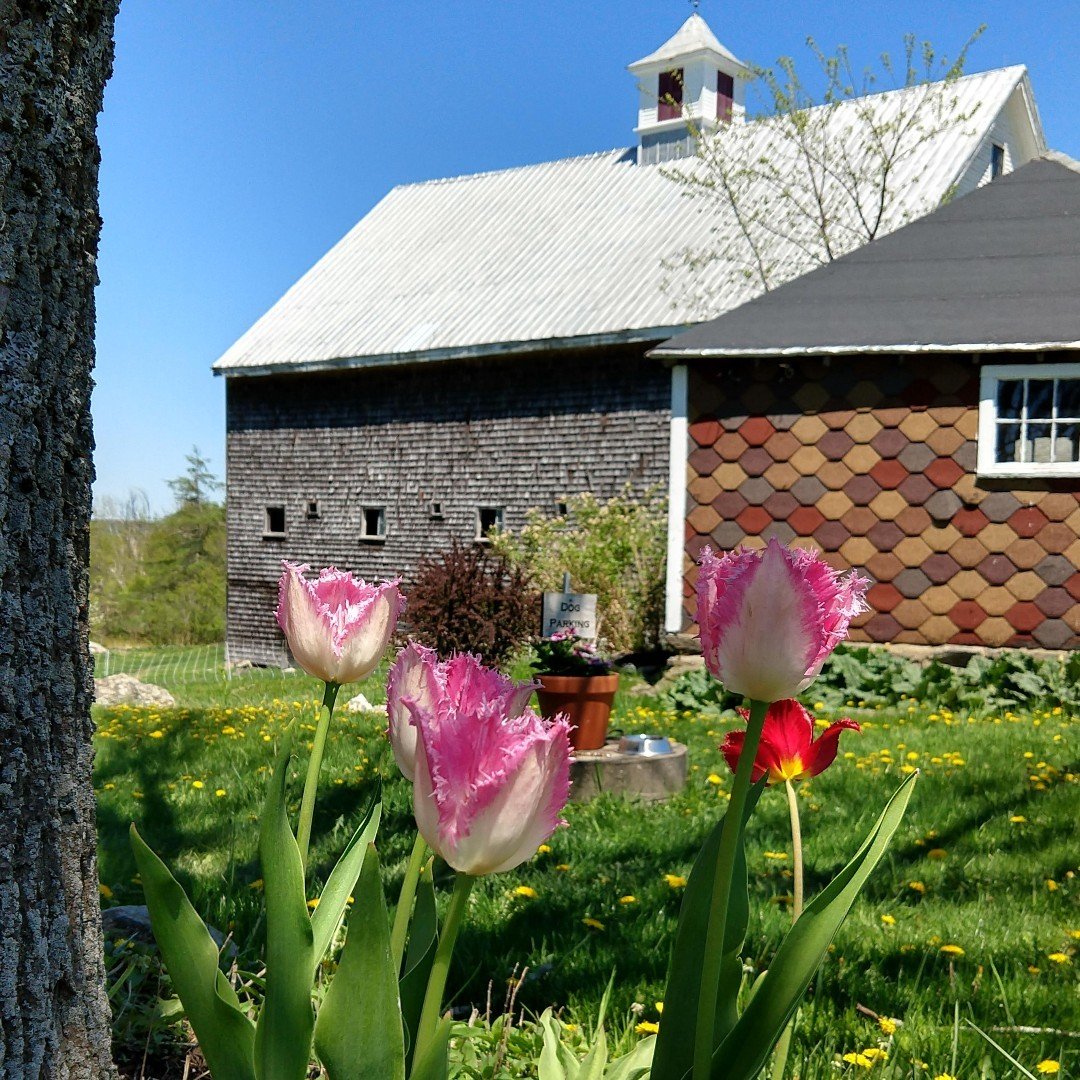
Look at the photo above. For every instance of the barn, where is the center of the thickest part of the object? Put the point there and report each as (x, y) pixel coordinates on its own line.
(478, 346)
(912, 410)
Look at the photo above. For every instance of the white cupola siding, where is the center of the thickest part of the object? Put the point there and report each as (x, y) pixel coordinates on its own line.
(691, 80)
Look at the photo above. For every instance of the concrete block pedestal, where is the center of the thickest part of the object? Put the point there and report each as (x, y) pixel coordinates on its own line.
(611, 770)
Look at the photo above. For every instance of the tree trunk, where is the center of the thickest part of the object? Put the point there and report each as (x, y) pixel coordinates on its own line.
(54, 59)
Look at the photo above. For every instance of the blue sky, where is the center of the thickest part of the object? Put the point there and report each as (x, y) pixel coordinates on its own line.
(241, 139)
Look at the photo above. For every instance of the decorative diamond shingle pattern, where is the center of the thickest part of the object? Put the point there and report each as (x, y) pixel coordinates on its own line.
(871, 461)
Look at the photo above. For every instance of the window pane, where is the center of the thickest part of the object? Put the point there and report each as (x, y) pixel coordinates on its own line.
(1010, 398)
(1040, 397)
(1067, 443)
(1037, 446)
(1068, 404)
(1008, 444)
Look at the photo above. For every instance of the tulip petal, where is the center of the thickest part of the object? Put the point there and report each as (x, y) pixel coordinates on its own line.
(822, 753)
(415, 675)
(301, 618)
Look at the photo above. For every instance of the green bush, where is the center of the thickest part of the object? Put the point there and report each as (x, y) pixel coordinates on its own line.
(856, 675)
(614, 548)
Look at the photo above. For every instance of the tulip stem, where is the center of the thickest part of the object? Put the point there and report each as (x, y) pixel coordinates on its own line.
(784, 1045)
(796, 851)
(405, 901)
(311, 783)
(721, 894)
(429, 1015)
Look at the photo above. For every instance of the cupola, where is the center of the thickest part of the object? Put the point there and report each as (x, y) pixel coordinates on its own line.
(691, 81)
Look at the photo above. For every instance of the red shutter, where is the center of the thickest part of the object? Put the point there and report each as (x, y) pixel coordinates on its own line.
(669, 92)
(725, 95)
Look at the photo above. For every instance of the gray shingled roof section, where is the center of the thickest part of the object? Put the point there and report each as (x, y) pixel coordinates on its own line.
(997, 269)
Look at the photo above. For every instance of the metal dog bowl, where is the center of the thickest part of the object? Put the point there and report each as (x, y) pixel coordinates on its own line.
(644, 745)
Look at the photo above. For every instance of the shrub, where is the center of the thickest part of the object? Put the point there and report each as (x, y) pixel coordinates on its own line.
(470, 599)
(615, 549)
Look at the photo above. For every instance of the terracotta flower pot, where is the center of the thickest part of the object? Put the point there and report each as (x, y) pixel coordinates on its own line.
(585, 699)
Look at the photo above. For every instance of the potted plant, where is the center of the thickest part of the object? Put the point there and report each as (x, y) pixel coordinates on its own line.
(577, 681)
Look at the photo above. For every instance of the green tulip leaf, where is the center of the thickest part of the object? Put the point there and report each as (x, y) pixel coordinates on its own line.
(341, 883)
(226, 1036)
(283, 1032)
(556, 1060)
(434, 1065)
(358, 1033)
(745, 1050)
(636, 1065)
(674, 1054)
(419, 956)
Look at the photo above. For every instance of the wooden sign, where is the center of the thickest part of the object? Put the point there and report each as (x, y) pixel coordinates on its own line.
(566, 610)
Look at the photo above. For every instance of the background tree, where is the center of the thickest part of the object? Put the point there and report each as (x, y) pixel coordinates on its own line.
(161, 581)
(55, 56)
(815, 175)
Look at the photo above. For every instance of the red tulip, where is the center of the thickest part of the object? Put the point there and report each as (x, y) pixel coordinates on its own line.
(788, 749)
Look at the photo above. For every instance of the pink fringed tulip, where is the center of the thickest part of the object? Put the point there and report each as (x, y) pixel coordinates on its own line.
(439, 688)
(337, 626)
(769, 619)
(788, 749)
(489, 784)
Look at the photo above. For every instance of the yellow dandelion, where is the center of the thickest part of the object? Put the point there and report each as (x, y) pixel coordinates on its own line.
(158, 734)
(647, 1027)
(675, 881)
(544, 849)
(628, 899)
(1048, 1066)
(888, 1025)
(524, 890)
(1074, 934)
(944, 1076)
(228, 729)
(713, 778)
(859, 1059)
(1051, 885)
(1018, 819)
(1059, 957)
(875, 1054)
(197, 784)
(889, 920)
(777, 855)
(951, 950)
(313, 903)
(220, 792)
(593, 924)
(562, 867)
(917, 886)
(936, 853)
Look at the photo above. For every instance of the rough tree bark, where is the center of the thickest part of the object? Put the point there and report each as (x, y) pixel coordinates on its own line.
(54, 59)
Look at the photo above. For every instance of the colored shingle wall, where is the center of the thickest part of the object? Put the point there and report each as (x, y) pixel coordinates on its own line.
(517, 432)
(872, 460)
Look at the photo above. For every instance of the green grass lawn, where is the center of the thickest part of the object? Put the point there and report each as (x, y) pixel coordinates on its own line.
(985, 864)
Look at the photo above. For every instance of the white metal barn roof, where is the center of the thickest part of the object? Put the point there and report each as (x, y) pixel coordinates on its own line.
(569, 251)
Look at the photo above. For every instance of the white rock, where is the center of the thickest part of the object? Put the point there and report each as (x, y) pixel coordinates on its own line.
(361, 704)
(127, 690)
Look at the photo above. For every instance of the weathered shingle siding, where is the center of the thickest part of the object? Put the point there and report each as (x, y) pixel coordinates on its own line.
(516, 432)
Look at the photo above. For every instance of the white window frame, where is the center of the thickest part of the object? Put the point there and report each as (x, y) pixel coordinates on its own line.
(372, 536)
(989, 377)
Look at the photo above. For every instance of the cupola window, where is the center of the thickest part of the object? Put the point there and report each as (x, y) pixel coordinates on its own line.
(669, 106)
